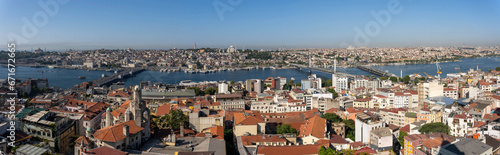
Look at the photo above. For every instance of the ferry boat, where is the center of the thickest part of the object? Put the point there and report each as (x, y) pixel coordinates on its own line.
(51, 67)
(82, 77)
(110, 70)
(457, 68)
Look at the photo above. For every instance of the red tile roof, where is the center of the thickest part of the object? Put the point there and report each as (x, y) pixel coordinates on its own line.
(336, 139)
(406, 128)
(104, 150)
(314, 126)
(217, 132)
(289, 150)
(251, 140)
(252, 120)
(162, 110)
(82, 140)
(115, 133)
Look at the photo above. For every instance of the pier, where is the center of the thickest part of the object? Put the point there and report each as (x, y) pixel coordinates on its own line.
(375, 71)
(108, 80)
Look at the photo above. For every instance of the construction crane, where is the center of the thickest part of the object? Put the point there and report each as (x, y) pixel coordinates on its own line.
(438, 70)
(429, 75)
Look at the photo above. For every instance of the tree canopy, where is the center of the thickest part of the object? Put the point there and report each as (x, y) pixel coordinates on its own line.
(434, 127)
(285, 128)
(171, 120)
(331, 90)
(406, 79)
(401, 138)
(331, 117)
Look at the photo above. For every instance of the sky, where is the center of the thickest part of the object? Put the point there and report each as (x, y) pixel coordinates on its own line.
(251, 24)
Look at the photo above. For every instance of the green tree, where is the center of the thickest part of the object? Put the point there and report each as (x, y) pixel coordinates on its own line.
(331, 117)
(350, 129)
(331, 90)
(416, 81)
(497, 69)
(434, 127)
(393, 79)
(401, 138)
(210, 91)
(326, 83)
(406, 79)
(325, 151)
(172, 120)
(197, 91)
(383, 78)
(285, 128)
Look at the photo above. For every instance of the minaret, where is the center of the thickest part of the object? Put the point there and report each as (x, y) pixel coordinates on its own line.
(127, 114)
(334, 65)
(109, 117)
(135, 106)
(194, 45)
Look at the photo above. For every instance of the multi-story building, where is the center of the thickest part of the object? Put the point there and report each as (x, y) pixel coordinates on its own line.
(381, 139)
(363, 103)
(324, 104)
(204, 118)
(56, 128)
(364, 123)
(428, 89)
(382, 101)
(230, 101)
(451, 93)
(460, 124)
(223, 88)
(340, 82)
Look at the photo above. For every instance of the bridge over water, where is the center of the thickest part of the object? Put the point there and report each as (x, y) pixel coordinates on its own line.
(108, 80)
(324, 70)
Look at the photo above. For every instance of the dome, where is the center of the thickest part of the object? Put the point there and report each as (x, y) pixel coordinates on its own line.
(109, 109)
(89, 128)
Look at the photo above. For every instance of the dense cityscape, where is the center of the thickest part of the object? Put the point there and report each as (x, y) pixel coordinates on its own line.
(235, 77)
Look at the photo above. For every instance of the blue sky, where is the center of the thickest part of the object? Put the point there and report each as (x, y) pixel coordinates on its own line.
(254, 24)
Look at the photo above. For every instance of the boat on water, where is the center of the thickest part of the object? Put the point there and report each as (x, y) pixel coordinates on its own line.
(51, 67)
(110, 70)
(82, 77)
(457, 68)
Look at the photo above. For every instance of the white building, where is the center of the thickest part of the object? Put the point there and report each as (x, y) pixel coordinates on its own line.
(460, 125)
(365, 123)
(339, 82)
(258, 86)
(223, 88)
(451, 93)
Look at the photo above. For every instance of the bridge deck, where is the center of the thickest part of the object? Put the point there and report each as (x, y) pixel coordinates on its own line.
(324, 70)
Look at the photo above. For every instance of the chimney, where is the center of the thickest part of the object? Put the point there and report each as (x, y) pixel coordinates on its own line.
(85, 106)
(125, 130)
(182, 129)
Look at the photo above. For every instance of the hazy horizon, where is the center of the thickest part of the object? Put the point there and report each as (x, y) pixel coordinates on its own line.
(87, 25)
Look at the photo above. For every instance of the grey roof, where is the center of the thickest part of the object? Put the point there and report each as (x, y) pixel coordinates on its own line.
(441, 99)
(212, 144)
(31, 150)
(468, 146)
(492, 142)
(179, 93)
(382, 132)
